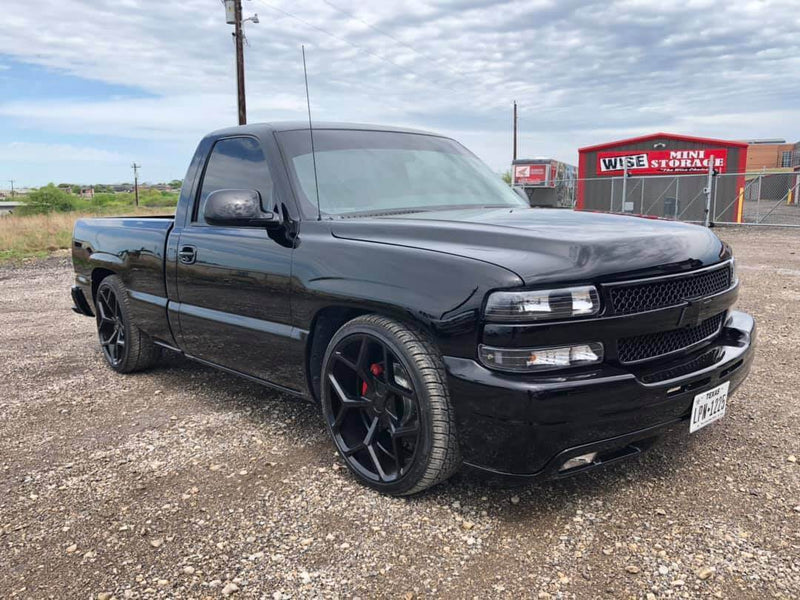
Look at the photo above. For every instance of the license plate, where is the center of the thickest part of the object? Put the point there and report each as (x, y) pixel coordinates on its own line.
(709, 406)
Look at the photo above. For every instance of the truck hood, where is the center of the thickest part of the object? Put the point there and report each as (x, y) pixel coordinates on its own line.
(545, 245)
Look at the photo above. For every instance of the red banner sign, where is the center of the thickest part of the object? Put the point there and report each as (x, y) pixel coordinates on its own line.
(661, 162)
(530, 174)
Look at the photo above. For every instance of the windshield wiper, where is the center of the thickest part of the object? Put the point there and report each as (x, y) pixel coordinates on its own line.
(384, 213)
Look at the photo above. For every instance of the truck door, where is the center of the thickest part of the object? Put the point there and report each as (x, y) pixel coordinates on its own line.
(234, 282)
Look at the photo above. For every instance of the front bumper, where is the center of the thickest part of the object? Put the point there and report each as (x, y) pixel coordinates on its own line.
(529, 426)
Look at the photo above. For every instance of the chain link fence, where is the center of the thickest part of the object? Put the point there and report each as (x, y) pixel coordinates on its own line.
(763, 199)
(759, 198)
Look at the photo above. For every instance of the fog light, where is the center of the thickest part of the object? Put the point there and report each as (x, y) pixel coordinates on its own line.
(579, 461)
(524, 360)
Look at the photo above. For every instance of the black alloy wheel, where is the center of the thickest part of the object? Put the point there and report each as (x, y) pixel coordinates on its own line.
(125, 347)
(374, 408)
(380, 408)
(110, 326)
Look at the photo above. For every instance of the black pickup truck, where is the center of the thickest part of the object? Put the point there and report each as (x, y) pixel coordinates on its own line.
(437, 319)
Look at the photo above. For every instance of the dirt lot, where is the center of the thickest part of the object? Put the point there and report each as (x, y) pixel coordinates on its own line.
(184, 482)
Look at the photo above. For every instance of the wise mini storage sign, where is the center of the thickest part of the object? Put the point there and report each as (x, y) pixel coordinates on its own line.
(661, 162)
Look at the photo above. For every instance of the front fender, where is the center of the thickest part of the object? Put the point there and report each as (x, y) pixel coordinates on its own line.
(441, 292)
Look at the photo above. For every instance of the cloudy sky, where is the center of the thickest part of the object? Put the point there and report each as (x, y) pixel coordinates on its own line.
(88, 86)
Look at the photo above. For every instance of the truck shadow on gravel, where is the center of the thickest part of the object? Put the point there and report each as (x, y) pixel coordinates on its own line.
(510, 500)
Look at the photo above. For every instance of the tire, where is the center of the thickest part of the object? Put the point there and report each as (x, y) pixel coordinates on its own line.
(384, 383)
(125, 347)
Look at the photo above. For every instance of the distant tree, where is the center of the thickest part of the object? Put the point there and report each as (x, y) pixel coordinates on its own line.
(47, 199)
(76, 189)
(506, 175)
(175, 184)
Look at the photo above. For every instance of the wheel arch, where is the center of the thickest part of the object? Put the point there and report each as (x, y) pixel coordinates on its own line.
(327, 321)
(98, 274)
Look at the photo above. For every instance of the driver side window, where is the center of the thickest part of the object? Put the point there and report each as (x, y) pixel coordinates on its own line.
(234, 164)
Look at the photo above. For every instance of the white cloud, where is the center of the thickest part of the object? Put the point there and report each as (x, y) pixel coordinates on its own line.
(583, 71)
(173, 117)
(52, 153)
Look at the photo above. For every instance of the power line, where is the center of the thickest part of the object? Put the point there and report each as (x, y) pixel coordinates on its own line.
(391, 37)
(373, 27)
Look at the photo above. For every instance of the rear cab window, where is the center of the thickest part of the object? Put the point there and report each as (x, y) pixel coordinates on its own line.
(236, 163)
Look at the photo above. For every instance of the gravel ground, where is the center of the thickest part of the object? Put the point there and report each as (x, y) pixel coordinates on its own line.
(184, 482)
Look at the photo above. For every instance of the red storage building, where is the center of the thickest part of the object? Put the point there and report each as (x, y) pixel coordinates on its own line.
(667, 177)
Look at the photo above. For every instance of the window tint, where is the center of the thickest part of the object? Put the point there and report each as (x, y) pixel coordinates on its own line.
(235, 164)
(365, 171)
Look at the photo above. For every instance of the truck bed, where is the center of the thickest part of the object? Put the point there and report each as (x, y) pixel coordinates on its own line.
(135, 249)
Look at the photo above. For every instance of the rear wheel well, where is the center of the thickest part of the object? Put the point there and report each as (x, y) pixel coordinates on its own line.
(97, 276)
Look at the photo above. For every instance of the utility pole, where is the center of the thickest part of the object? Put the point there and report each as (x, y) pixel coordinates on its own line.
(11, 181)
(233, 16)
(515, 130)
(240, 61)
(136, 168)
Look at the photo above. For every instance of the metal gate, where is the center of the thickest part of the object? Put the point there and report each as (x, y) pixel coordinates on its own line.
(727, 198)
(762, 199)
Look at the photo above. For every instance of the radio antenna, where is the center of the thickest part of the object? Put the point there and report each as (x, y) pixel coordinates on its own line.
(311, 131)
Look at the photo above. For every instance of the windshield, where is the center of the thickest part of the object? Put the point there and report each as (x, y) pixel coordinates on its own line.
(380, 171)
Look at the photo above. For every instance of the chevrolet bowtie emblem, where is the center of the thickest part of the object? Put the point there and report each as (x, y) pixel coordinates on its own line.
(693, 313)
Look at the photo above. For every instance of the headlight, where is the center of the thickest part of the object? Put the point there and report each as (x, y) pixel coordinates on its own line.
(538, 305)
(527, 360)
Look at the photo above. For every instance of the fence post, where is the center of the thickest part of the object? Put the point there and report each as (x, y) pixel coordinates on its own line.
(611, 201)
(709, 182)
(758, 199)
(740, 205)
(624, 182)
(714, 215)
(641, 197)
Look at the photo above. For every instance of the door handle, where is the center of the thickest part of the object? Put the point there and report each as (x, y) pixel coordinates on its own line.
(187, 255)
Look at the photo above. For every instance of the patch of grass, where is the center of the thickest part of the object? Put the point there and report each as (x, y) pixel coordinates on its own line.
(26, 236)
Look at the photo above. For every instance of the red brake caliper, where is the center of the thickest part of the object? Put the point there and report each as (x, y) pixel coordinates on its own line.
(377, 370)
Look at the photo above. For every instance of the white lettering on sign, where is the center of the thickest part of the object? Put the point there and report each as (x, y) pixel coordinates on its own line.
(654, 162)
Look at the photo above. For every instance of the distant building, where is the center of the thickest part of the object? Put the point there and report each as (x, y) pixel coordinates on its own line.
(666, 176)
(8, 207)
(545, 181)
(18, 193)
(771, 154)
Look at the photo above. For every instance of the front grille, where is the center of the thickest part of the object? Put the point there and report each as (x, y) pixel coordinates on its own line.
(701, 362)
(652, 345)
(661, 293)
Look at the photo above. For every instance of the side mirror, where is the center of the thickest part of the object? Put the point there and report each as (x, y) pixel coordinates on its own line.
(238, 207)
(521, 193)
